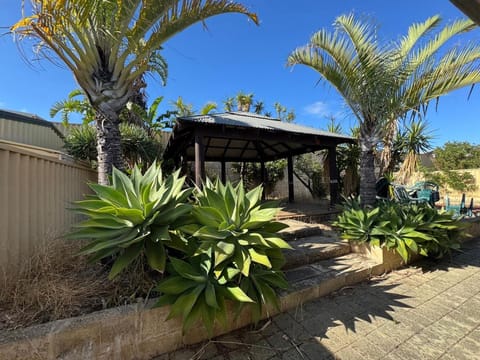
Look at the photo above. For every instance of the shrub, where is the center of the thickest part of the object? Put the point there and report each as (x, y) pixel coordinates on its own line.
(135, 215)
(237, 256)
(224, 246)
(139, 146)
(419, 229)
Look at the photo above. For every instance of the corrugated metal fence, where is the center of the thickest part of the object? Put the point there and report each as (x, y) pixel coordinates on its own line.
(36, 187)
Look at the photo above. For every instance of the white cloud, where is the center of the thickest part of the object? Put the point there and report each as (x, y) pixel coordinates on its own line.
(3, 104)
(318, 108)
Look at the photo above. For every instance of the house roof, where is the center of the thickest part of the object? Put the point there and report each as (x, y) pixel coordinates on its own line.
(29, 119)
(243, 136)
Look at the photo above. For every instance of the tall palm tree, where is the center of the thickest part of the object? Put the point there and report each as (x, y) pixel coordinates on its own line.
(244, 101)
(108, 45)
(382, 83)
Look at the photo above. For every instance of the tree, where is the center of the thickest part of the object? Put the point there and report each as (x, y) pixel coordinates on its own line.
(457, 155)
(244, 101)
(382, 83)
(416, 140)
(108, 46)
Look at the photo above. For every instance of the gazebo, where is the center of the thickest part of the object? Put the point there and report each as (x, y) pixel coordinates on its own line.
(249, 137)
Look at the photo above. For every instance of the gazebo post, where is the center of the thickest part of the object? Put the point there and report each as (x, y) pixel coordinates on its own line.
(332, 158)
(223, 175)
(263, 179)
(199, 159)
(291, 194)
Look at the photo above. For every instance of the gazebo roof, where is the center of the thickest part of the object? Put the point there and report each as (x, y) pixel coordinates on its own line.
(243, 136)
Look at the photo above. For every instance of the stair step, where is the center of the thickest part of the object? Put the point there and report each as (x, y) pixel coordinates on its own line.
(298, 229)
(314, 248)
(323, 277)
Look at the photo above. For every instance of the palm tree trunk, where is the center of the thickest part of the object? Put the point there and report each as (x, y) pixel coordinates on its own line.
(108, 145)
(367, 177)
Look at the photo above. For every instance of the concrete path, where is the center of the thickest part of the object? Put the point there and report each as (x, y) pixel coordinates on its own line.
(428, 311)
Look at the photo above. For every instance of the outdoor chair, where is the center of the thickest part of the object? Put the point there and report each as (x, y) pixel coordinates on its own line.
(402, 196)
(426, 190)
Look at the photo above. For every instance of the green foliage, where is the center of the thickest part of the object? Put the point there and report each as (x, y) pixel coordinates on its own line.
(418, 229)
(251, 173)
(135, 215)
(222, 247)
(454, 180)
(81, 143)
(139, 146)
(457, 155)
(309, 170)
(235, 254)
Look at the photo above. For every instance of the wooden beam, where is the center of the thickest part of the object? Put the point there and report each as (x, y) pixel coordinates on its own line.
(332, 158)
(223, 172)
(199, 159)
(263, 179)
(291, 194)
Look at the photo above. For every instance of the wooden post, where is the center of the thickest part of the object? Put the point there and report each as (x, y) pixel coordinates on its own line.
(291, 195)
(223, 175)
(263, 179)
(199, 159)
(332, 156)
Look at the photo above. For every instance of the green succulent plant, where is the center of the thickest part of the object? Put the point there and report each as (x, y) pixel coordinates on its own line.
(136, 214)
(238, 256)
(237, 227)
(406, 228)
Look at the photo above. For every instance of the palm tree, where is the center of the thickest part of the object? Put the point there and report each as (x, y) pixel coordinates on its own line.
(75, 103)
(244, 101)
(258, 107)
(108, 46)
(229, 104)
(384, 83)
(416, 140)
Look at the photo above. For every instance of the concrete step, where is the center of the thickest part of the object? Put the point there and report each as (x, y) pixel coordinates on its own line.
(310, 249)
(298, 229)
(323, 277)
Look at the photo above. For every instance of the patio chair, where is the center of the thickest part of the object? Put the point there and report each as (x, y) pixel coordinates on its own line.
(402, 196)
(426, 190)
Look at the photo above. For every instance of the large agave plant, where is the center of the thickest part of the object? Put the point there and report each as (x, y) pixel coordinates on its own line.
(136, 214)
(238, 256)
(237, 227)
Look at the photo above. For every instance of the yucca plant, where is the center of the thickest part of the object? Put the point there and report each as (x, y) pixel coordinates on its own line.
(136, 214)
(238, 255)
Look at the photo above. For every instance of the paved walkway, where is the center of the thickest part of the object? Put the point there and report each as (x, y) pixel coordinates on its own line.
(430, 311)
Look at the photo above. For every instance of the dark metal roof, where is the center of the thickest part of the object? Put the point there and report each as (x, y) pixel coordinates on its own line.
(471, 8)
(29, 119)
(251, 120)
(242, 136)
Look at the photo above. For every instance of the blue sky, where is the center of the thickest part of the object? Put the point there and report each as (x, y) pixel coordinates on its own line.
(234, 55)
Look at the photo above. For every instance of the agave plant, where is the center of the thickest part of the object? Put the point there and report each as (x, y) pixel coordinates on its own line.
(406, 228)
(134, 215)
(238, 255)
(237, 227)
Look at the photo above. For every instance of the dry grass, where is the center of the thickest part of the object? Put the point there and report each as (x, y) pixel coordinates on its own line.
(55, 283)
(52, 284)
